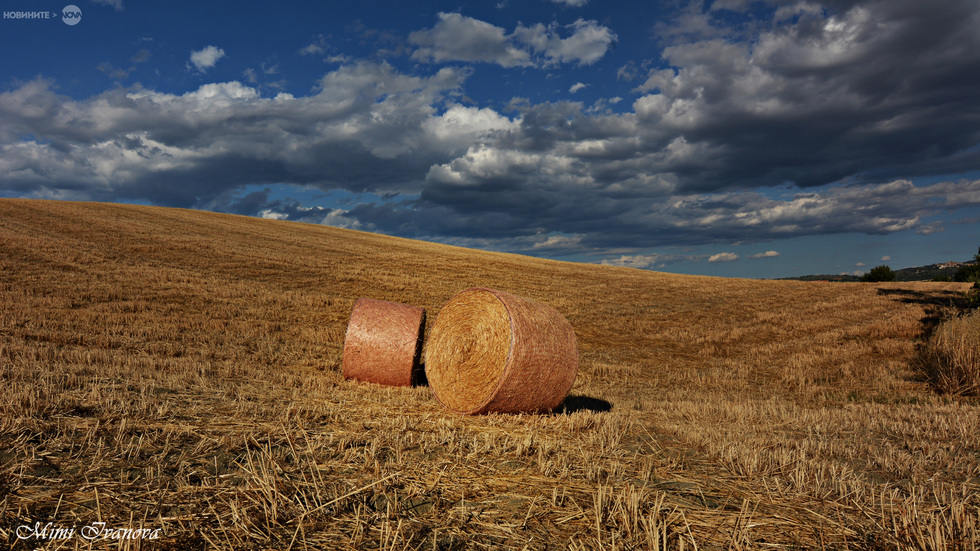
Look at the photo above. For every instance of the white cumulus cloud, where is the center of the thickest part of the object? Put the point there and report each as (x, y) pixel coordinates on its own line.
(588, 41)
(723, 257)
(557, 243)
(206, 58)
(457, 37)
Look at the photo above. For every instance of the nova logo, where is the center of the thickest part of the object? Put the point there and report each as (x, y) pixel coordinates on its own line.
(71, 15)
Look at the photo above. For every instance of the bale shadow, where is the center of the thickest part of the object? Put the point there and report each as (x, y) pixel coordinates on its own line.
(571, 404)
(583, 403)
(418, 375)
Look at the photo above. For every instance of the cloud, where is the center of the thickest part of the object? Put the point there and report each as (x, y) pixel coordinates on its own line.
(814, 99)
(206, 58)
(465, 173)
(116, 4)
(457, 37)
(588, 42)
(572, 3)
(931, 228)
(118, 73)
(628, 72)
(767, 254)
(650, 261)
(723, 257)
(113, 72)
(317, 47)
(557, 243)
(367, 127)
(485, 196)
(730, 118)
(576, 87)
(141, 56)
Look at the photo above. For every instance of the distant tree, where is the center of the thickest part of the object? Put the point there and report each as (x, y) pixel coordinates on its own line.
(970, 272)
(879, 273)
(967, 274)
(973, 295)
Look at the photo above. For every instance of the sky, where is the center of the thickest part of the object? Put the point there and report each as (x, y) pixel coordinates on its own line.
(731, 138)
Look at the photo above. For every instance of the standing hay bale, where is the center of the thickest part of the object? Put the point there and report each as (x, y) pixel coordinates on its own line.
(494, 352)
(384, 343)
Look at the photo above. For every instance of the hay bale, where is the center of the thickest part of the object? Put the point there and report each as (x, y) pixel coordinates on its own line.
(384, 343)
(491, 351)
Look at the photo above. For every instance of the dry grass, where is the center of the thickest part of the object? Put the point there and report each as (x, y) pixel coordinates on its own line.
(180, 371)
(952, 355)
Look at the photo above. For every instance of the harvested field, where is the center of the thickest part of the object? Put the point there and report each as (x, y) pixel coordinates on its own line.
(179, 372)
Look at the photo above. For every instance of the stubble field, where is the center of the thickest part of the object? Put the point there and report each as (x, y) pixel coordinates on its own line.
(175, 375)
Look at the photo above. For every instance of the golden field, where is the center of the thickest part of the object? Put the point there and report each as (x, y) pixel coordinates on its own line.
(179, 371)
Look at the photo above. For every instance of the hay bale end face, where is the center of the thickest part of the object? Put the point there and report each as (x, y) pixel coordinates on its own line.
(383, 344)
(491, 351)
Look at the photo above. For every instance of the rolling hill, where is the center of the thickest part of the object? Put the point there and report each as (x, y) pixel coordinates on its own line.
(175, 375)
(931, 272)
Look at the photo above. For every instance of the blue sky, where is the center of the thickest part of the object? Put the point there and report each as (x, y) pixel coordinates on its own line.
(733, 138)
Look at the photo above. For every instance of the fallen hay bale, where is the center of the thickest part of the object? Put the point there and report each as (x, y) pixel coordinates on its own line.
(493, 352)
(383, 343)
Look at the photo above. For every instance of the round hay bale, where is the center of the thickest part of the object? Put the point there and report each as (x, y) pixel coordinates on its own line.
(494, 352)
(384, 343)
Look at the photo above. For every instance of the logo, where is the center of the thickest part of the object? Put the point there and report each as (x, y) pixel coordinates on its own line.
(71, 15)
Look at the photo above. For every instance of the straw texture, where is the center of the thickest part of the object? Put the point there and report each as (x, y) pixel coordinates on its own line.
(384, 343)
(491, 351)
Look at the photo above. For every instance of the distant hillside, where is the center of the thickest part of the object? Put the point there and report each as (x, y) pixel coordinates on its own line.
(916, 273)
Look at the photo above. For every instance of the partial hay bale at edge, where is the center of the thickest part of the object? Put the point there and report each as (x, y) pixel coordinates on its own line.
(491, 351)
(383, 343)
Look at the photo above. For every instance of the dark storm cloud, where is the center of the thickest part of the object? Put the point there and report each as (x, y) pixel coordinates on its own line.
(605, 223)
(368, 127)
(871, 90)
